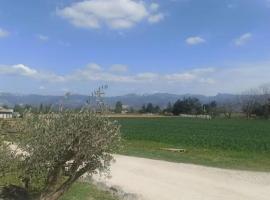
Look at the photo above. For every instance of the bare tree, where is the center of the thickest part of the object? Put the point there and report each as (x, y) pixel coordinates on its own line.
(253, 97)
(227, 109)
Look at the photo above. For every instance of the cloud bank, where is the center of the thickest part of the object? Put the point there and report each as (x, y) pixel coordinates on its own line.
(207, 80)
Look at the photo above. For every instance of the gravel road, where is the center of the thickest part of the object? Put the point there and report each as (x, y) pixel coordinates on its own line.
(160, 180)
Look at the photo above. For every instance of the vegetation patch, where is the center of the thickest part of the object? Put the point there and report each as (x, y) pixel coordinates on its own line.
(87, 191)
(227, 143)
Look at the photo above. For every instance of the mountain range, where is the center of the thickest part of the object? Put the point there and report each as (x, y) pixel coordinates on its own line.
(131, 100)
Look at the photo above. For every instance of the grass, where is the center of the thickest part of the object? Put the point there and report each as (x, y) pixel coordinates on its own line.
(236, 143)
(78, 191)
(86, 191)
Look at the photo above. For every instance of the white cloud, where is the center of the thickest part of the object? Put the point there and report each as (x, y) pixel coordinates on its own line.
(146, 76)
(203, 70)
(118, 68)
(181, 77)
(94, 72)
(194, 40)
(154, 7)
(42, 87)
(94, 67)
(243, 39)
(19, 69)
(197, 75)
(25, 71)
(3, 33)
(42, 37)
(155, 18)
(115, 14)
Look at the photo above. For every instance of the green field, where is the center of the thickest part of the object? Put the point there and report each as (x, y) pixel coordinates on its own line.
(236, 143)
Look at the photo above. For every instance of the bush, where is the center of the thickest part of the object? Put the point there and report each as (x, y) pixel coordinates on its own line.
(60, 148)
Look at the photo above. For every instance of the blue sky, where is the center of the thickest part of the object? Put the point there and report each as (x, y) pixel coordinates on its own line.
(134, 46)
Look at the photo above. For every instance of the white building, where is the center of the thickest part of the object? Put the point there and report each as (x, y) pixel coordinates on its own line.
(6, 113)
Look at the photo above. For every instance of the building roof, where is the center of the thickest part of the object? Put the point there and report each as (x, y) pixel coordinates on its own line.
(4, 110)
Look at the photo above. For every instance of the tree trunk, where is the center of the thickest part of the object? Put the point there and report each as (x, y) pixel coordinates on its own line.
(53, 196)
(57, 193)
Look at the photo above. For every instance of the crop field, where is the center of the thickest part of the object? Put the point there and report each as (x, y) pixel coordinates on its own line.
(236, 143)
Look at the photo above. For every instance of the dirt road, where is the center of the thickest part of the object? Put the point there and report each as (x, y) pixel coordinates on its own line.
(160, 180)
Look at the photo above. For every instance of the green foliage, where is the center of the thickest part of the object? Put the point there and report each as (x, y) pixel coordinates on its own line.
(187, 106)
(150, 108)
(262, 110)
(9, 162)
(66, 144)
(19, 109)
(118, 107)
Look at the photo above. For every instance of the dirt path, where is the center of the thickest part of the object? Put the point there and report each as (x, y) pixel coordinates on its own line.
(160, 180)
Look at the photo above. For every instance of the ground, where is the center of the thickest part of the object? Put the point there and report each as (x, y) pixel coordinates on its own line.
(161, 180)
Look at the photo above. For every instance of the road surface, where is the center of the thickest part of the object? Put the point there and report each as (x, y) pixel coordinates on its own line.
(160, 180)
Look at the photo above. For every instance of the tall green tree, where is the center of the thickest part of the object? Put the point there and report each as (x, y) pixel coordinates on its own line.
(118, 107)
(187, 106)
(150, 108)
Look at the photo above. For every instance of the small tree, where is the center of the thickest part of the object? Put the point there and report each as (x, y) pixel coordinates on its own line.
(252, 99)
(248, 101)
(19, 109)
(143, 109)
(211, 109)
(56, 149)
(156, 109)
(118, 107)
(149, 108)
(169, 108)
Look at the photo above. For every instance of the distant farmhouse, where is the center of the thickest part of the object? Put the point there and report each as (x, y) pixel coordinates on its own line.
(6, 113)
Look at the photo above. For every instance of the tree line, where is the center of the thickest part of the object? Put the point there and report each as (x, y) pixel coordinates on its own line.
(252, 106)
(188, 105)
